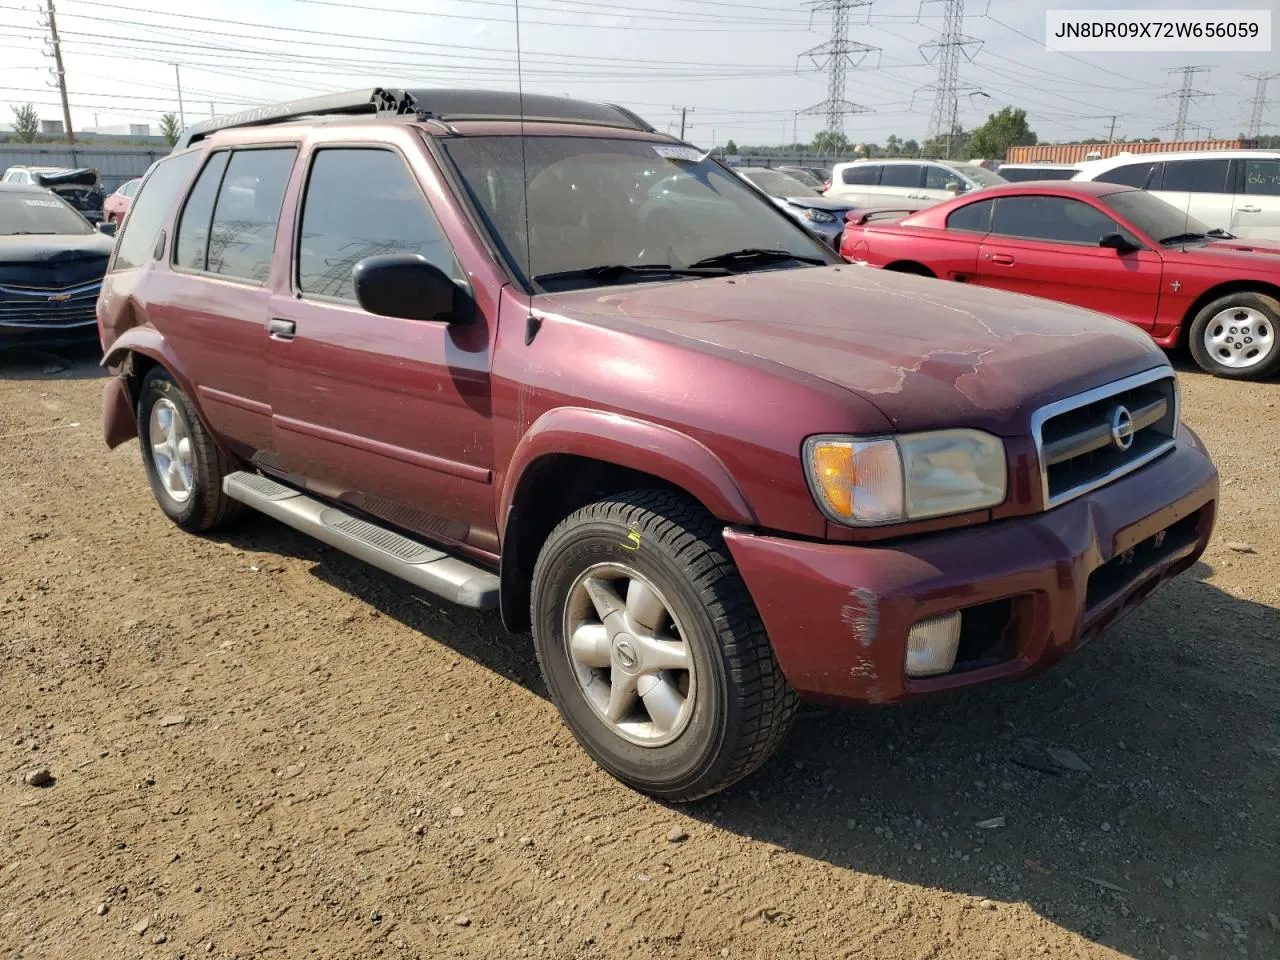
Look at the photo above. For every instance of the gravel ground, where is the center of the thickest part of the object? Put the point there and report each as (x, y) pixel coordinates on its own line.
(261, 748)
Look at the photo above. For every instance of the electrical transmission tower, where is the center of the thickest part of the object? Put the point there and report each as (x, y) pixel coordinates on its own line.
(950, 46)
(1185, 96)
(1259, 101)
(836, 56)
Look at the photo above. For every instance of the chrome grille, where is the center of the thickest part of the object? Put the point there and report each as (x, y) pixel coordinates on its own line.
(49, 309)
(1091, 439)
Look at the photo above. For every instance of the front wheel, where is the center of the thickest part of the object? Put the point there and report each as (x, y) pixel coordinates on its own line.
(1236, 336)
(652, 649)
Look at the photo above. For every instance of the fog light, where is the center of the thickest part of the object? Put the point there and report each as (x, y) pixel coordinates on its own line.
(931, 645)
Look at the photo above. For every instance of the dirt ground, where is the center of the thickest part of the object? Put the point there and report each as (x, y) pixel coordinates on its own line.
(263, 748)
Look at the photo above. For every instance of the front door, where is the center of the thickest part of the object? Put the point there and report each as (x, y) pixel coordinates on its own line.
(1047, 247)
(1256, 209)
(390, 416)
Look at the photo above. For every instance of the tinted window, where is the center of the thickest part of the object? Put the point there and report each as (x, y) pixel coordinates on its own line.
(1058, 219)
(1262, 177)
(1131, 175)
(1151, 215)
(243, 234)
(972, 216)
(777, 184)
(360, 203)
(147, 212)
(1022, 174)
(901, 175)
(862, 173)
(37, 212)
(1196, 176)
(192, 240)
(937, 178)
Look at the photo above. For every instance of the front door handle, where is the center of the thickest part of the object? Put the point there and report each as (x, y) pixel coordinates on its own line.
(1250, 209)
(281, 329)
(1005, 258)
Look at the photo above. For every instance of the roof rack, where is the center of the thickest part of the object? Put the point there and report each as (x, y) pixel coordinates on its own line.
(444, 105)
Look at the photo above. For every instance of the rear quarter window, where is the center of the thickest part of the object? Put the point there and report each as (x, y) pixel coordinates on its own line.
(147, 214)
(861, 174)
(972, 217)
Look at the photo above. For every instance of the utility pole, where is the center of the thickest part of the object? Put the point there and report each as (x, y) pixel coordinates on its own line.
(950, 45)
(1185, 96)
(211, 116)
(1259, 101)
(683, 112)
(835, 56)
(1111, 134)
(59, 72)
(182, 114)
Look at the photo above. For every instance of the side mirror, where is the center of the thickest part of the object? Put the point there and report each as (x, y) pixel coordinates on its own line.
(411, 287)
(107, 227)
(1117, 241)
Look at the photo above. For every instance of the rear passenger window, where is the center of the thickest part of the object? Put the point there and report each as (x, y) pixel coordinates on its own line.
(1262, 177)
(137, 244)
(191, 245)
(362, 202)
(901, 175)
(1196, 176)
(862, 173)
(242, 236)
(972, 216)
(1130, 175)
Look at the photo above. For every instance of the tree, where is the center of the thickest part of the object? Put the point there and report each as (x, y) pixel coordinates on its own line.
(910, 148)
(26, 123)
(731, 148)
(1002, 130)
(830, 141)
(170, 127)
(892, 145)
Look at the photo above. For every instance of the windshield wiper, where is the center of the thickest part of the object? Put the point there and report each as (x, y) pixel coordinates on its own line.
(34, 233)
(1183, 238)
(754, 255)
(616, 272)
(1219, 234)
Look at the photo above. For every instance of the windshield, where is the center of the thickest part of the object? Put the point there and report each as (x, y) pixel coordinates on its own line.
(1159, 220)
(597, 201)
(979, 175)
(29, 211)
(777, 184)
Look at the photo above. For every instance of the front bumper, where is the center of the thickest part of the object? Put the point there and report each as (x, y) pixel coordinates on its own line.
(838, 615)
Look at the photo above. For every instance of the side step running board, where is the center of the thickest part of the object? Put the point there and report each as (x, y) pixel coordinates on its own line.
(423, 566)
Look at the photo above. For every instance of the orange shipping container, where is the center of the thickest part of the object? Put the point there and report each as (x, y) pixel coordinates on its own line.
(1079, 152)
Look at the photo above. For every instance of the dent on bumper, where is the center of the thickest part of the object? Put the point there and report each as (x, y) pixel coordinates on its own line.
(838, 615)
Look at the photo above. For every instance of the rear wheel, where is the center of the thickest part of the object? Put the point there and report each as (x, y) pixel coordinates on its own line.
(1236, 336)
(652, 649)
(184, 466)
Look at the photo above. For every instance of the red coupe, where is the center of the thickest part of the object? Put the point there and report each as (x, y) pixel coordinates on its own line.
(1106, 247)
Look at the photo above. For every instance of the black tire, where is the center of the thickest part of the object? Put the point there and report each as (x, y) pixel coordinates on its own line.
(1269, 307)
(207, 506)
(744, 706)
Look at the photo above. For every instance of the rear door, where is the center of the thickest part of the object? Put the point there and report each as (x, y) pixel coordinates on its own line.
(1256, 205)
(386, 414)
(1047, 247)
(856, 183)
(900, 184)
(1201, 189)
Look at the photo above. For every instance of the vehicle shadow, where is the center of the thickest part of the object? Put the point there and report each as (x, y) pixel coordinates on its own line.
(1157, 822)
(72, 362)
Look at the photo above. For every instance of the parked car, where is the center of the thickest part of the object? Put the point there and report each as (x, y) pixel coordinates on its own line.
(1235, 190)
(712, 467)
(51, 266)
(807, 177)
(822, 217)
(82, 187)
(878, 183)
(1022, 172)
(117, 204)
(1109, 248)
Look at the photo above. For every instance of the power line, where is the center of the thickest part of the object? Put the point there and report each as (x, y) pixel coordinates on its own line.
(835, 55)
(1185, 96)
(947, 49)
(1259, 101)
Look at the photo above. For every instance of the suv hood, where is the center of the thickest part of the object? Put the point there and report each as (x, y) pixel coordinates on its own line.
(926, 353)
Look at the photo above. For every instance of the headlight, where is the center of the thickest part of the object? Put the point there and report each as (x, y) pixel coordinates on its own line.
(863, 482)
(818, 216)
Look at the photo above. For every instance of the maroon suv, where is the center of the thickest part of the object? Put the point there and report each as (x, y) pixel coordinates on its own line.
(480, 342)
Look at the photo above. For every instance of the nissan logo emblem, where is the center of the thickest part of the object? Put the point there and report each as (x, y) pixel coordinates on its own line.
(1122, 428)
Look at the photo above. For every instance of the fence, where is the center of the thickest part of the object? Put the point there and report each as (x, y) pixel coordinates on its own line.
(115, 164)
(1079, 152)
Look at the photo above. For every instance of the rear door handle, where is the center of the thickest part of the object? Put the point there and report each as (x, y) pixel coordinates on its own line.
(1249, 209)
(281, 329)
(1005, 258)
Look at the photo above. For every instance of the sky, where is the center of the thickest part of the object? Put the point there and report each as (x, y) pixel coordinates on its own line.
(737, 66)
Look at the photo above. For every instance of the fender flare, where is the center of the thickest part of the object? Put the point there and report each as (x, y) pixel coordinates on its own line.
(119, 421)
(635, 444)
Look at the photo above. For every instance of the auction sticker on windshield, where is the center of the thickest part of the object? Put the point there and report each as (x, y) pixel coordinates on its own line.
(671, 152)
(43, 203)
